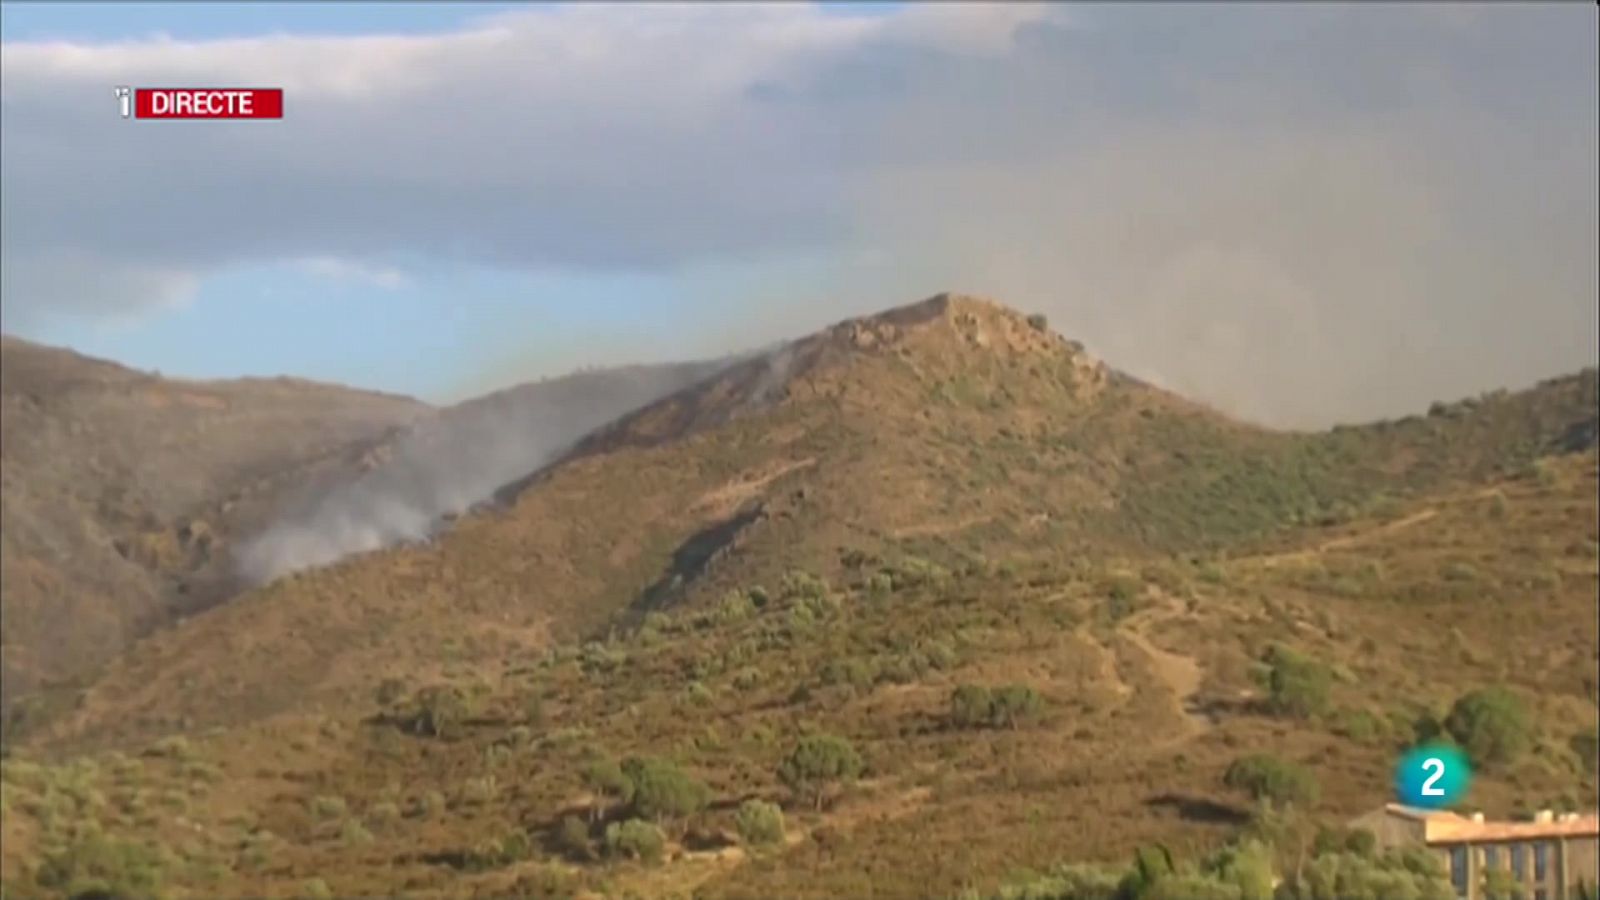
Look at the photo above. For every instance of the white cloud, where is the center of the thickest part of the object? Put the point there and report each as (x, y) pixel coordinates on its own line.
(1355, 196)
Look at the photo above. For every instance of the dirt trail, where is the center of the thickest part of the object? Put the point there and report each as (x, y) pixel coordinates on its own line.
(1347, 540)
(1378, 531)
(1179, 673)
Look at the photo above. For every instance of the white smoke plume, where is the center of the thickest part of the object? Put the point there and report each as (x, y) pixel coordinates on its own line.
(451, 463)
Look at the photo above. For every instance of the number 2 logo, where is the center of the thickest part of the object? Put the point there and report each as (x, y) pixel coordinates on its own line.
(1435, 765)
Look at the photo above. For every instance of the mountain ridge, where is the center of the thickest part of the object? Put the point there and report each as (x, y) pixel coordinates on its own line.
(982, 433)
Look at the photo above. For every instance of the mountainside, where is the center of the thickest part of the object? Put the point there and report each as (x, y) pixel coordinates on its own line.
(131, 500)
(119, 486)
(950, 430)
(1045, 605)
(404, 488)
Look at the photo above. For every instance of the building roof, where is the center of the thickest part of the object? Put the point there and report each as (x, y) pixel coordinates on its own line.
(1441, 827)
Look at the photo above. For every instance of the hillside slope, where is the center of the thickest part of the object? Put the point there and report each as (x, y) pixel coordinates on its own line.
(118, 487)
(132, 500)
(1144, 669)
(952, 430)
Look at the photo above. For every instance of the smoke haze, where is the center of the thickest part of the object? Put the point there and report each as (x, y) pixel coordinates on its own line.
(451, 463)
(1302, 214)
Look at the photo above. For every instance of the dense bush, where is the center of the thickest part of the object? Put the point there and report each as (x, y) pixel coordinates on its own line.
(1490, 725)
(969, 706)
(99, 866)
(494, 853)
(572, 838)
(1241, 872)
(605, 777)
(1354, 876)
(1278, 781)
(816, 764)
(1014, 704)
(799, 585)
(437, 711)
(1008, 706)
(1297, 686)
(635, 839)
(663, 791)
(759, 823)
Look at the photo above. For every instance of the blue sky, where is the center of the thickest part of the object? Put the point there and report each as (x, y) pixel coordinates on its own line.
(1300, 213)
(441, 333)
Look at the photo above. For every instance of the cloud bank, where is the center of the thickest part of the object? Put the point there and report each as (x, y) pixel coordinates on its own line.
(1302, 214)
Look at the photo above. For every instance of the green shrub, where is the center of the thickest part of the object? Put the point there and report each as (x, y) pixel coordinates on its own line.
(759, 823)
(1014, 704)
(816, 764)
(1121, 593)
(328, 807)
(479, 791)
(970, 705)
(1065, 882)
(438, 711)
(1297, 686)
(635, 839)
(353, 833)
(661, 790)
(596, 657)
(494, 853)
(1361, 726)
(572, 839)
(941, 656)
(1490, 725)
(1359, 841)
(605, 777)
(174, 747)
(1008, 706)
(97, 865)
(1278, 781)
(1344, 875)
(736, 606)
(799, 585)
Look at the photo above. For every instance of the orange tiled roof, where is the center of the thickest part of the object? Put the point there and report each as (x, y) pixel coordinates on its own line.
(1448, 827)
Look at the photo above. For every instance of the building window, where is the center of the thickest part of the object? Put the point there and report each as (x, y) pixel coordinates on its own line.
(1519, 862)
(1491, 857)
(1458, 868)
(1541, 861)
(1541, 894)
